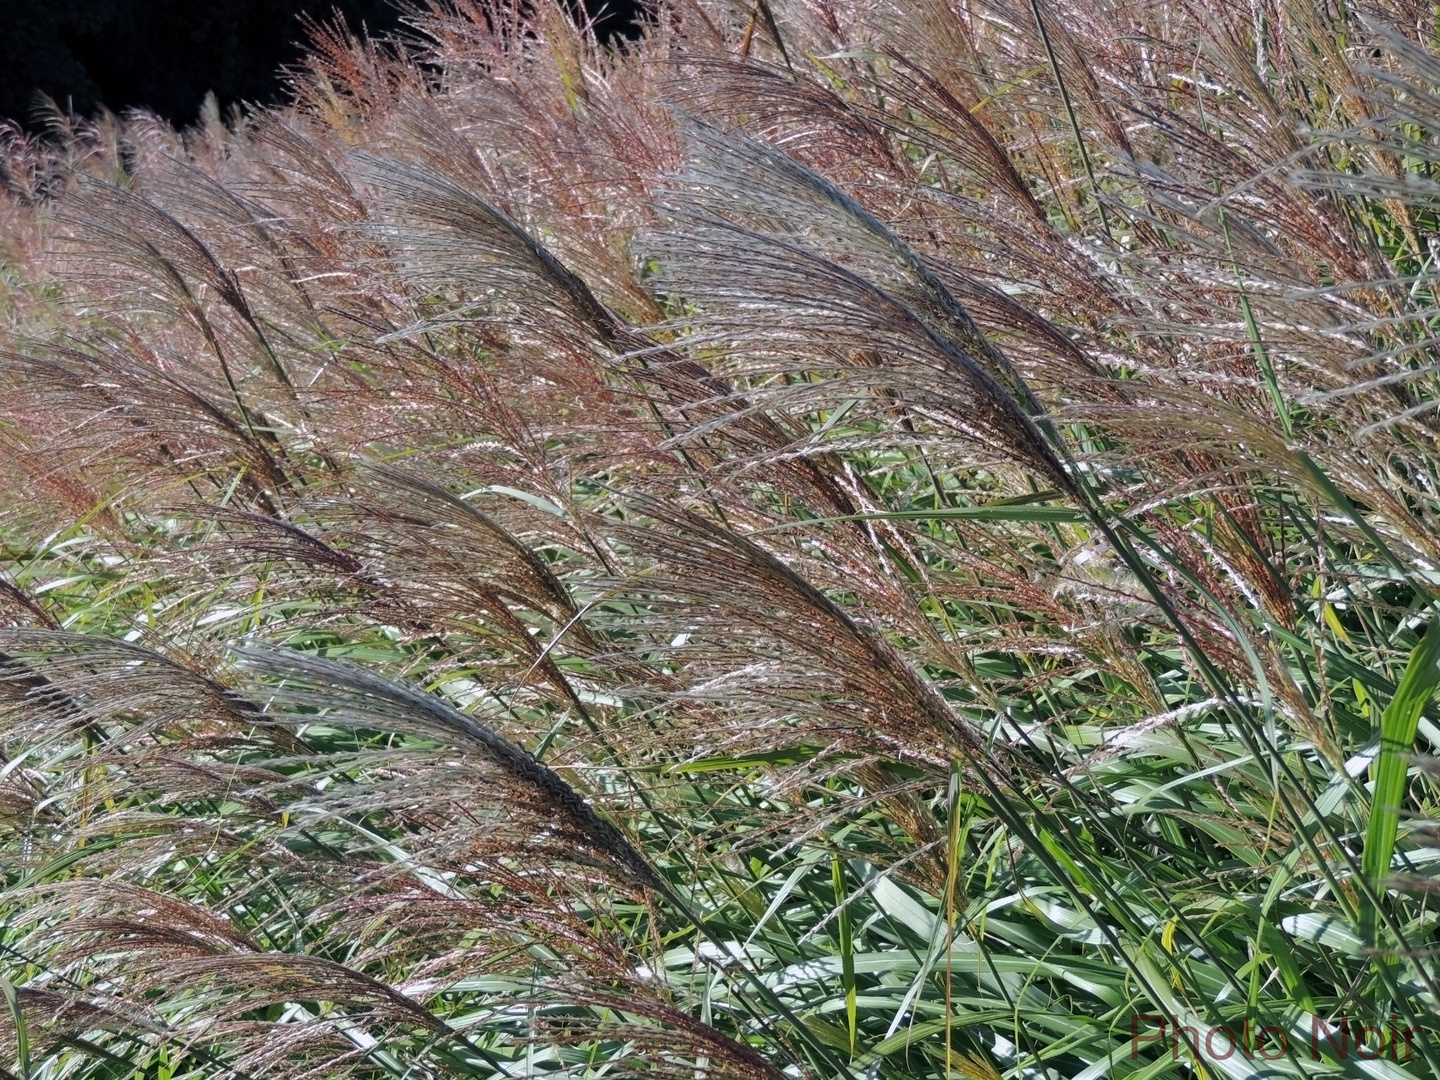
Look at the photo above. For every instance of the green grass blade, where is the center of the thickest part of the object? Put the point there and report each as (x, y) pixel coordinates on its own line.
(847, 948)
(1397, 734)
(22, 1039)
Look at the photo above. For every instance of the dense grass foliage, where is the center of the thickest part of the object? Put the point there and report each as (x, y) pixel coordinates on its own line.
(847, 540)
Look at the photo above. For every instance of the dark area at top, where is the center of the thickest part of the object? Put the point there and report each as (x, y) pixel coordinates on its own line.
(166, 55)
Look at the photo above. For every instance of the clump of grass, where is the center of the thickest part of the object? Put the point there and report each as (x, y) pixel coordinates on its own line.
(866, 540)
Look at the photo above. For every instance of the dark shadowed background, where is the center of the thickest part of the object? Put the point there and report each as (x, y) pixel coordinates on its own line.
(165, 55)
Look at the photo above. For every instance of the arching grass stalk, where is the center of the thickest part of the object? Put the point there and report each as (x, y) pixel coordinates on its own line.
(362, 698)
(1070, 116)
